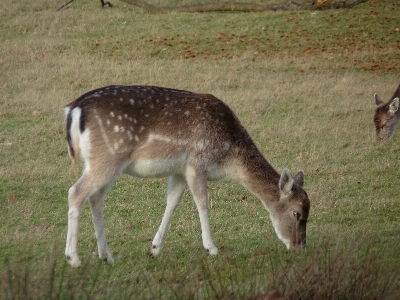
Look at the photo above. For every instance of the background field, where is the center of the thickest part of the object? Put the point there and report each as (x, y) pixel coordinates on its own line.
(301, 82)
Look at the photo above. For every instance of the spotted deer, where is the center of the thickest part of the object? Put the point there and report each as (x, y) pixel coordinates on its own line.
(387, 115)
(151, 132)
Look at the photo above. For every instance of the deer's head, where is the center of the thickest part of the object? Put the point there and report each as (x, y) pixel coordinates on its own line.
(385, 118)
(289, 215)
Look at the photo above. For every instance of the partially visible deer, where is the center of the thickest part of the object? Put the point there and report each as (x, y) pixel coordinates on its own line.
(149, 131)
(387, 115)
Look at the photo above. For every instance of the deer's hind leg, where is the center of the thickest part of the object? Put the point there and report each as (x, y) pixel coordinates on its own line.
(96, 205)
(88, 186)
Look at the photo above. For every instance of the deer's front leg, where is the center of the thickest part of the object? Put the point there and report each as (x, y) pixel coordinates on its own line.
(197, 183)
(96, 205)
(176, 187)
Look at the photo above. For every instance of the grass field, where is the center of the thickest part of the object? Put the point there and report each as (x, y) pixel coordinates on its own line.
(301, 82)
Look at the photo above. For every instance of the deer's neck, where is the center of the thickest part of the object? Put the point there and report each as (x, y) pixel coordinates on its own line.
(258, 176)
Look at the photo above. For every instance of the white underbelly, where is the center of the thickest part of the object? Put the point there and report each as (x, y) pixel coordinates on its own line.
(147, 168)
(214, 173)
(155, 169)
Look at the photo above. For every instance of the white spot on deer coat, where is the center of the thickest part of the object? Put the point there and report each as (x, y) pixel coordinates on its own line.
(200, 145)
(104, 133)
(130, 137)
(116, 128)
(157, 140)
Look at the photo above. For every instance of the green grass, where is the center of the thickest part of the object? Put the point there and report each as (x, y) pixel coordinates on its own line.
(301, 82)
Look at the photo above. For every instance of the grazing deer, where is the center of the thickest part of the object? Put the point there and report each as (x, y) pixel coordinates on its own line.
(149, 131)
(387, 115)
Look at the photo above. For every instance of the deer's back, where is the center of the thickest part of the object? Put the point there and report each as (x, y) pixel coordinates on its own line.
(149, 123)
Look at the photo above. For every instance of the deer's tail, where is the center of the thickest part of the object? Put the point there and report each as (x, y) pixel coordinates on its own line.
(72, 118)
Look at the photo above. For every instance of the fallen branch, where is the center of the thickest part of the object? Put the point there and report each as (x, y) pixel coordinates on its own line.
(64, 5)
(246, 7)
(70, 1)
(105, 3)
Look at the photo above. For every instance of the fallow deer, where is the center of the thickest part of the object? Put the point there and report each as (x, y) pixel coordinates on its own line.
(387, 115)
(149, 131)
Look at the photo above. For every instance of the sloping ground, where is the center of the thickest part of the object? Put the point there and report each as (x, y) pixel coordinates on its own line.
(366, 37)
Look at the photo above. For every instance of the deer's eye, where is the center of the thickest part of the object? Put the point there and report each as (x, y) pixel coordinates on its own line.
(296, 214)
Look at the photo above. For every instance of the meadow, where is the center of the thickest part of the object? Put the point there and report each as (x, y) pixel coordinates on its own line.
(301, 82)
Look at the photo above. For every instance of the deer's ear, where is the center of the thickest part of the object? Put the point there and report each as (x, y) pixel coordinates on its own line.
(286, 181)
(299, 178)
(394, 105)
(378, 100)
